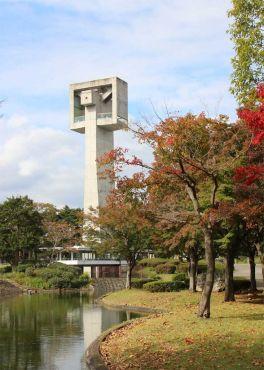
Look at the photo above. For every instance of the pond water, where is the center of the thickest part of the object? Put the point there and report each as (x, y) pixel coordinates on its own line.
(51, 331)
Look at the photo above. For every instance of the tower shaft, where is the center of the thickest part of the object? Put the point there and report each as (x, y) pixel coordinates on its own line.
(98, 141)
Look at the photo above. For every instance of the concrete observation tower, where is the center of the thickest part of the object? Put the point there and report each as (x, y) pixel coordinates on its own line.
(97, 109)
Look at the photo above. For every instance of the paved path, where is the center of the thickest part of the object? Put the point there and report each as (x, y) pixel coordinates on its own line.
(242, 270)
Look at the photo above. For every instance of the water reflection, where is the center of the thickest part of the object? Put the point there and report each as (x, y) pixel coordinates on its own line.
(51, 331)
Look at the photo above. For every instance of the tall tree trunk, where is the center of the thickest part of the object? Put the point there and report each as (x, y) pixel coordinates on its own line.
(204, 306)
(193, 270)
(229, 276)
(261, 257)
(129, 276)
(252, 265)
(16, 258)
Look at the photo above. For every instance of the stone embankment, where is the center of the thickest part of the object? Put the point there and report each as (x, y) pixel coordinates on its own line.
(107, 285)
(8, 289)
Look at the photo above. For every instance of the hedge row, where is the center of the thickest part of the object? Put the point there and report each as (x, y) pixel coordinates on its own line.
(138, 283)
(164, 286)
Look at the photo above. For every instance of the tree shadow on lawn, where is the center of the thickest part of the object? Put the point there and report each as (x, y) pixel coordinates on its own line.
(227, 352)
(253, 316)
(253, 298)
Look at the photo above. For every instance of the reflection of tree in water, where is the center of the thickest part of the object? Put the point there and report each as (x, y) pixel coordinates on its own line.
(30, 322)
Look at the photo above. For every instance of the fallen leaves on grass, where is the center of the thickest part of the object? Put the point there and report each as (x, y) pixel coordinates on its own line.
(232, 339)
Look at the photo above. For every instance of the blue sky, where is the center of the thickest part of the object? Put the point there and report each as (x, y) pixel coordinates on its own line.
(172, 53)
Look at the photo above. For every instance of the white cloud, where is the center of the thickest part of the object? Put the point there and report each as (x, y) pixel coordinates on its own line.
(150, 50)
(47, 163)
(42, 162)
(17, 120)
(171, 52)
(27, 167)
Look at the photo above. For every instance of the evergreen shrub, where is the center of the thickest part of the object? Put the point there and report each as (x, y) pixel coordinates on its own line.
(138, 283)
(164, 286)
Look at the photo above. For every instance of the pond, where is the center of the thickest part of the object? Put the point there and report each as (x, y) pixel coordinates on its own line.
(51, 331)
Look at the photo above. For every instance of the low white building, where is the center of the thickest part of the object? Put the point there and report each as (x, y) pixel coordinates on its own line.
(96, 267)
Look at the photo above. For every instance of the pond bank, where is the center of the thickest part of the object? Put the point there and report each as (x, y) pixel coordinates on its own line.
(94, 357)
(8, 289)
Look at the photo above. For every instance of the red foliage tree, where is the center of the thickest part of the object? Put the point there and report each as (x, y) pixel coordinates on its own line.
(249, 177)
(191, 152)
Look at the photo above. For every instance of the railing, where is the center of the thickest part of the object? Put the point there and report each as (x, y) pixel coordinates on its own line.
(79, 119)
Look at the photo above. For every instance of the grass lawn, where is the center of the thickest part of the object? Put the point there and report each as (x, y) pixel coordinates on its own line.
(232, 339)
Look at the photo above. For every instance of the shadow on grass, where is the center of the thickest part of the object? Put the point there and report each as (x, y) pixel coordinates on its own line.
(227, 352)
(255, 298)
(251, 317)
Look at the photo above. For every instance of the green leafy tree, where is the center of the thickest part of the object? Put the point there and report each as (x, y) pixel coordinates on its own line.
(246, 32)
(48, 211)
(20, 229)
(73, 216)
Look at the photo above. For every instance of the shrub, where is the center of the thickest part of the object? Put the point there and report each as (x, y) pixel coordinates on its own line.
(180, 276)
(153, 262)
(84, 279)
(30, 271)
(150, 273)
(62, 267)
(164, 286)
(183, 267)
(241, 284)
(166, 268)
(58, 282)
(45, 274)
(138, 283)
(22, 267)
(34, 282)
(145, 272)
(39, 264)
(58, 276)
(5, 269)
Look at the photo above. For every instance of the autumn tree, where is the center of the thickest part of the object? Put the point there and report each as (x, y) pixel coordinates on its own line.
(20, 229)
(195, 151)
(121, 227)
(229, 236)
(63, 227)
(176, 228)
(252, 237)
(246, 32)
(58, 235)
(250, 176)
(187, 242)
